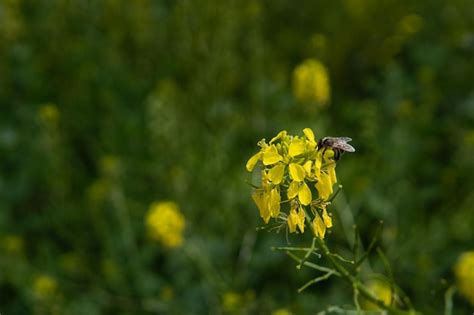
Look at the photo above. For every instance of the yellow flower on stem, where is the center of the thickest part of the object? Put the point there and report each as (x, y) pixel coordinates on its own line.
(464, 271)
(311, 82)
(319, 228)
(165, 223)
(381, 290)
(44, 286)
(324, 186)
(296, 219)
(261, 200)
(304, 194)
(289, 165)
(326, 218)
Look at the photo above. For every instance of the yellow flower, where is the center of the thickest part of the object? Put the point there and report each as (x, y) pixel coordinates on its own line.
(324, 186)
(464, 271)
(304, 194)
(296, 219)
(44, 286)
(326, 218)
(381, 290)
(411, 24)
(231, 301)
(281, 311)
(165, 223)
(49, 113)
(167, 293)
(12, 244)
(289, 165)
(319, 228)
(311, 82)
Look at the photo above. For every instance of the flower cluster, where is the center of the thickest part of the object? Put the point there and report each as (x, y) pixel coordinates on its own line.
(293, 168)
(464, 271)
(165, 223)
(311, 82)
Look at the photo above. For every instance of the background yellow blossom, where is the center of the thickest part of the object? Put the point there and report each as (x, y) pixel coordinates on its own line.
(311, 82)
(165, 223)
(464, 271)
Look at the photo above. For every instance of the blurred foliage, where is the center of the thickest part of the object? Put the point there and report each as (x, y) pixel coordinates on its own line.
(108, 106)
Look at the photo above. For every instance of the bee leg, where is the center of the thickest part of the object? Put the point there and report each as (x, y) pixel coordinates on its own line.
(337, 154)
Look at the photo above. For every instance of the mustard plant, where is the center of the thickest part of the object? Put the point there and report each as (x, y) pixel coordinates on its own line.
(295, 191)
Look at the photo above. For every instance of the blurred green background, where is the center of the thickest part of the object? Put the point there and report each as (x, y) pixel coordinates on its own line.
(109, 106)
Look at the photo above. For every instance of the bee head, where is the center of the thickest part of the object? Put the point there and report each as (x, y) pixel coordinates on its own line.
(320, 143)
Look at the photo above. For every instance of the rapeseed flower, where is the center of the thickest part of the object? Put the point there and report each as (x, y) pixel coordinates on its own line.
(166, 223)
(311, 82)
(281, 311)
(464, 271)
(295, 173)
(49, 113)
(44, 286)
(381, 290)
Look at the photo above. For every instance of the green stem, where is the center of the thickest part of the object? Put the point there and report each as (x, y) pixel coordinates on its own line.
(316, 280)
(356, 284)
(313, 266)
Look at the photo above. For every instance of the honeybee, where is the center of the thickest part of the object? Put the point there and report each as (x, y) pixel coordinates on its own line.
(337, 144)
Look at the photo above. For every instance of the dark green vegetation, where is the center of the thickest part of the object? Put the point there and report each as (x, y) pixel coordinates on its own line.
(165, 100)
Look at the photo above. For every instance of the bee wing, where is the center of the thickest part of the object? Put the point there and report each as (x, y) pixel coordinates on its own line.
(343, 146)
(345, 139)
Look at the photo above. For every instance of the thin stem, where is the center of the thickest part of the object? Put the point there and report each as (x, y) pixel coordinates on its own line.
(448, 300)
(308, 253)
(356, 284)
(316, 280)
(313, 265)
(342, 258)
(356, 298)
(371, 246)
(296, 249)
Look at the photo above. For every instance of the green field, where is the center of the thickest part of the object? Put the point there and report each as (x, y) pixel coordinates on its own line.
(126, 127)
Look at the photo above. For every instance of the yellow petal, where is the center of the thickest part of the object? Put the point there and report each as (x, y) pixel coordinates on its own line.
(301, 217)
(292, 221)
(307, 167)
(297, 147)
(297, 172)
(261, 200)
(275, 175)
(332, 173)
(274, 203)
(293, 190)
(280, 135)
(319, 228)
(304, 194)
(327, 219)
(253, 161)
(317, 164)
(328, 154)
(309, 134)
(324, 186)
(271, 156)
